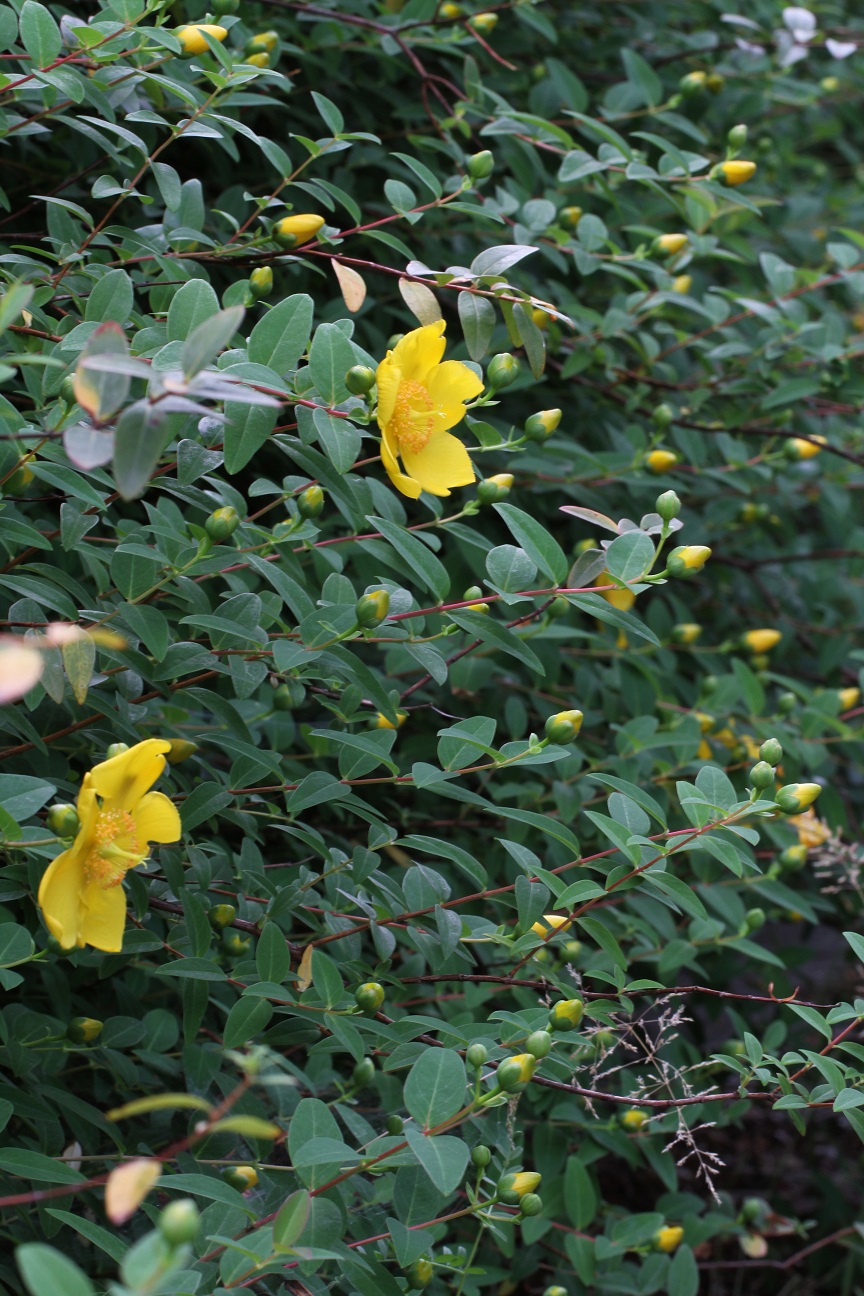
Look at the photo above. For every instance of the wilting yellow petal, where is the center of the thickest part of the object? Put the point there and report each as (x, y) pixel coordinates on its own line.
(127, 1187)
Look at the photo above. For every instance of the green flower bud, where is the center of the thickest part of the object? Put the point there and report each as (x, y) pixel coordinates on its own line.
(603, 1039)
(737, 136)
(502, 371)
(178, 1222)
(663, 415)
(63, 821)
(754, 1209)
(225, 6)
(310, 502)
(363, 1073)
(566, 1014)
(541, 425)
(564, 726)
(180, 751)
(762, 775)
(514, 1073)
(262, 42)
(222, 524)
(668, 505)
(395, 1125)
(372, 609)
(369, 997)
(475, 592)
(84, 1030)
(754, 919)
(786, 702)
(571, 951)
(360, 380)
(241, 1177)
(686, 632)
(419, 1274)
(795, 797)
(116, 749)
(283, 698)
(235, 944)
(633, 1119)
(555, 1291)
(539, 1044)
(480, 165)
(559, 607)
(771, 751)
(531, 1204)
(687, 560)
(793, 858)
(492, 490)
(475, 1056)
(692, 84)
(570, 216)
(221, 916)
(480, 1156)
(261, 282)
(512, 1188)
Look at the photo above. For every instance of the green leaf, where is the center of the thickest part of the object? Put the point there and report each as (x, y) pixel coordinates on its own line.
(477, 317)
(280, 338)
(27, 1164)
(683, 1273)
(191, 305)
(540, 546)
(111, 298)
(496, 635)
(291, 1220)
(630, 555)
(331, 355)
(443, 1157)
(40, 34)
(429, 570)
(435, 1087)
(580, 1194)
(16, 945)
(247, 1018)
(43, 1269)
(208, 339)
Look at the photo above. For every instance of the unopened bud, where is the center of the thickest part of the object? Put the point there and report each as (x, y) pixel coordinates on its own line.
(222, 524)
(662, 415)
(260, 59)
(531, 1204)
(804, 447)
(542, 424)
(566, 1014)
(786, 702)
(492, 490)
(633, 1119)
(793, 858)
(686, 632)
(551, 923)
(369, 997)
(761, 641)
(771, 751)
(669, 245)
(266, 41)
(181, 750)
(570, 216)
(692, 84)
(372, 609)
(420, 1274)
(513, 1187)
(484, 23)
(539, 1044)
(668, 1239)
(737, 136)
(475, 1056)
(754, 919)
(564, 726)
(795, 797)
(762, 775)
(668, 505)
(221, 916)
(310, 502)
(660, 461)
(733, 174)
(84, 1030)
(380, 720)
(475, 592)
(360, 380)
(687, 560)
(394, 1126)
(293, 230)
(116, 749)
(63, 821)
(481, 1156)
(502, 371)
(261, 282)
(480, 165)
(178, 1222)
(363, 1073)
(241, 1177)
(515, 1073)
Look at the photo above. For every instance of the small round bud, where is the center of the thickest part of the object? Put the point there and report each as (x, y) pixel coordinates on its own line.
(793, 858)
(310, 502)
(662, 415)
(178, 1222)
(395, 1125)
(475, 1056)
(222, 524)
(660, 461)
(21, 478)
(267, 41)
(84, 1030)
(570, 216)
(668, 505)
(515, 1073)
(225, 6)
(668, 1239)
(372, 609)
(450, 10)
(848, 698)
(475, 592)
(492, 490)
(502, 371)
(669, 245)
(419, 1274)
(294, 230)
(116, 749)
(687, 560)
(571, 951)
(360, 380)
(541, 425)
(261, 282)
(480, 1156)
(480, 165)
(235, 944)
(771, 751)
(830, 84)
(682, 284)
(754, 1209)
(513, 1187)
(541, 318)
(692, 84)
(633, 1119)
(795, 797)
(241, 1177)
(369, 997)
(604, 1039)
(754, 919)
(737, 136)
(539, 1044)
(555, 1291)
(714, 82)
(686, 632)
(221, 916)
(786, 702)
(762, 775)
(559, 607)
(733, 174)
(804, 448)
(363, 1073)
(564, 726)
(484, 23)
(381, 721)
(260, 59)
(531, 1204)
(63, 821)
(566, 1014)
(180, 751)
(283, 698)
(761, 641)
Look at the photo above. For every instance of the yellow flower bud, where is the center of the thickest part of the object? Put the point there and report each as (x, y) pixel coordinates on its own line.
(848, 697)
(566, 1014)
(542, 424)
(799, 448)
(372, 608)
(241, 1177)
(484, 23)
(735, 173)
(513, 1187)
(550, 923)
(260, 59)
(514, 1073)
(693, 83)
(570, 216)
(450, 10)
(669, 245)
(540, 318)
(267, 40)
(669, 1238)
(686, 632)
(83, 1030)
(687, 560)
(192, 38)
(633, 1119)
(682, 284)
(181, 750)
(795, 797)
(660, 461)
(564, 726)
(381, 721)
(793, 857)
(761, 641)
(294, 230)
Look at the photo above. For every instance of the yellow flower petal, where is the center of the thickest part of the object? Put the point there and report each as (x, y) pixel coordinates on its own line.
(124, 779)
(60, 893)
(449, 386)
(443, 462)
(103, 917)
(156, 819)
(406, 485)
(419, 351)
(387, 377)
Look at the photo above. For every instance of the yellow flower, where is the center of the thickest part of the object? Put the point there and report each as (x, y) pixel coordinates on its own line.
(80, 894)
(682, 283)
(298, 229)
(419, 398)
(736, 173)
(668, 1238)
(811, 831)
(192, 37)
(622, 599)
(660, 461)
(761, 641)
(550, 923)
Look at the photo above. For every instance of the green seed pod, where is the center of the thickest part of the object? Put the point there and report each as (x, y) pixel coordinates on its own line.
(480, 1156)
(395, 1125)
(310, 502)
(663, 415)
(84, 1030)
(360, 380)
(771, 751)
(502, 371)
(178, 1222)
(222, 524)
(369, 997)
(480, 165)
(539, 1044)
(363, 1073)
(668, 505)
(372, 609)
(221, 916)
(475, 1056)
(63, 821)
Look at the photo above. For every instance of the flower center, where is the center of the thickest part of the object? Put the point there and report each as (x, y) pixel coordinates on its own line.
(414, 417)
(115, 849)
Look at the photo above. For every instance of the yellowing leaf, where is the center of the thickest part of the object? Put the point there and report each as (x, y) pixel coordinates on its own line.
(127, 1187)
(352, 284)
(20, 669)
(157, 1102)
(79, 658)
(248, 1126)
(304, 971)
(421, 301)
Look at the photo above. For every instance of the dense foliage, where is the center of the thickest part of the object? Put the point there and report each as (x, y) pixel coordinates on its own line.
(440, 895)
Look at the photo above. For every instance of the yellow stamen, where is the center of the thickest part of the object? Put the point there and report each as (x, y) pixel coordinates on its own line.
(414, 417)
(108, 862)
